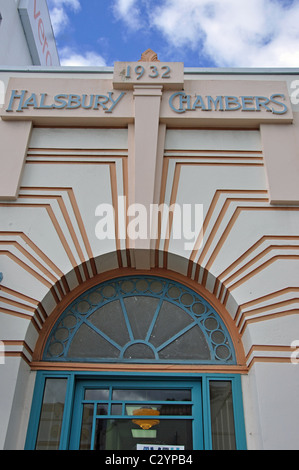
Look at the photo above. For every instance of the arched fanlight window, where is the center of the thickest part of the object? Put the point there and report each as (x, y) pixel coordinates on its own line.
(141, 319)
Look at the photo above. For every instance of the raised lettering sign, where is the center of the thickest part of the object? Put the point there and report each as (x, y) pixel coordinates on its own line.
(129, 74)
(23, 100)
(181, 103)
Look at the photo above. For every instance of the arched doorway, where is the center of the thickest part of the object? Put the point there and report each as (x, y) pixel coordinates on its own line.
(138, 361)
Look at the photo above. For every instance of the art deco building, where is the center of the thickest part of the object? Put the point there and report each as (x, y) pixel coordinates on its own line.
(149, 235)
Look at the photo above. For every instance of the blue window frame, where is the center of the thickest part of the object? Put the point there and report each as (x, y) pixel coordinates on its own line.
(142, 319)
(68, 431)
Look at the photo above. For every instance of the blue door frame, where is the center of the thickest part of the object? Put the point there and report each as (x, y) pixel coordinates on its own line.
(199, 382)
(195, 403)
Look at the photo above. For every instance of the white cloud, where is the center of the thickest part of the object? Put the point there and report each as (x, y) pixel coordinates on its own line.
(128, 11)
(58, 13)
(59, 20)
(233, 33)
(74, 4)
(69, 57)
(257, 33)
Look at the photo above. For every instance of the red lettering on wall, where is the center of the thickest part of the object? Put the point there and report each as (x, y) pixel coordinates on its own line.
(41, 31)
(42, 34)
(49, 59)
(36, 13)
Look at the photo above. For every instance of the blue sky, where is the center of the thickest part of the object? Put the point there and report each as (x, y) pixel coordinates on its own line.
(200, 33)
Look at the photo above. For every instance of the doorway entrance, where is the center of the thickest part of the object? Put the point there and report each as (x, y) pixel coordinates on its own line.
(137, 415)
(73, 410)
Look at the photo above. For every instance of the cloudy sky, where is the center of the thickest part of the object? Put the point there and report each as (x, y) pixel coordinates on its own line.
(200, 33)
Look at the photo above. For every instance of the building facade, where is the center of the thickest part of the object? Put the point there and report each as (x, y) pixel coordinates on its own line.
(149, 254)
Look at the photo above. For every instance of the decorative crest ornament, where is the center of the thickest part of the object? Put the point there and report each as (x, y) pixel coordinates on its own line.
(149, 56)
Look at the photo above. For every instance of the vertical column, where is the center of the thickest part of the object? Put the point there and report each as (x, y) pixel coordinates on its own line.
(146, 153)
(281, 154)
(14, 138)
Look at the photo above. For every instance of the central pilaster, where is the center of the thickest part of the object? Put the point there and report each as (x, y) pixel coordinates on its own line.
(144, 162)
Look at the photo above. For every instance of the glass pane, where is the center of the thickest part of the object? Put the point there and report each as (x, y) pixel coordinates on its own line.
(102, 409)
(51, 415)
(109, 291)
(123, 434)
(83, 307)
(222, 416)
(164, 410)
(127, 286)
(192, 345)
(110, 320)
(223, 352)
(198, 308)
(96, 394)
(157, 287)
(139, 351)
(55, 349)
(174, 292)
(142, 285)
(117, 410)
(86, 428)
(171, 320)
(70, 321)
(87, 343)
(151, 395)
(187, 299)
(95, 298)
(140, 312)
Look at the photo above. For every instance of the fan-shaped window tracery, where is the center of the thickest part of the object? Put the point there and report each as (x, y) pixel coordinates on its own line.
(140, 319)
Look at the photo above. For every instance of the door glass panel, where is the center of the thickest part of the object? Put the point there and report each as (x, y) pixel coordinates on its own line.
(222, 416)
(152, 395)
(51, 415)
(96, 394)
(117, 409)
(163, 409)
(86, 427)
(123, 434)
(102, 409)
(115, 418)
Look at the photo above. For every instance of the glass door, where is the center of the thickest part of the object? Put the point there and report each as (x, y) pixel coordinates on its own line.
(132, 416)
